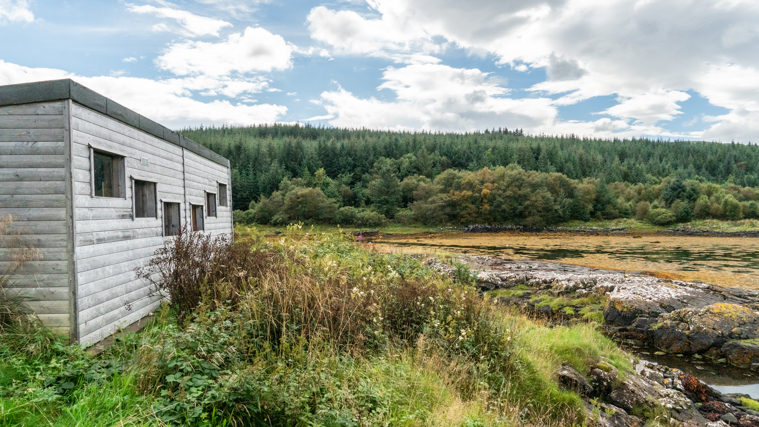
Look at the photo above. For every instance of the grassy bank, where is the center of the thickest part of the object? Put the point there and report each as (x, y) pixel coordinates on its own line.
(307, 329)
(632, 226)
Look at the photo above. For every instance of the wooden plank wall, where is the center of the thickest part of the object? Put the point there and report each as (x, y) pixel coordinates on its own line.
(110, 245)
(33, 142)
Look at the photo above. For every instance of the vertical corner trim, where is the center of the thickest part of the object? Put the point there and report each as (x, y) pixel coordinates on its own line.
(68, 144)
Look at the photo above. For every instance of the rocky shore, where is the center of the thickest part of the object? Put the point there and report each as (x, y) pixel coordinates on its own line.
(673, 231)
(708, 322)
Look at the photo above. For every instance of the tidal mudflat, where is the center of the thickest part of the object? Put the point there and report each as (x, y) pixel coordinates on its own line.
(725, 261)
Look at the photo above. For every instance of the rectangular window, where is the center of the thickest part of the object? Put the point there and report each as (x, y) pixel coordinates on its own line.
(144, 199)
(107, 175)
(197, 217)
(223, 195)
(171, 219)
(211, 203)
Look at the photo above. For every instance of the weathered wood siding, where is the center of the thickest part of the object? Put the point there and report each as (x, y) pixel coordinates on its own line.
(110, 244)
(33, 180)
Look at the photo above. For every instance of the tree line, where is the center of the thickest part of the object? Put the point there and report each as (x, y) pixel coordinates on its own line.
(284, 173)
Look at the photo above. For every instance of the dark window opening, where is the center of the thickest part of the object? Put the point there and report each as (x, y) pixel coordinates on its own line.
(197, 217)
(211, 203)
(171, 219)
(223, 195)
(108, 175)
(144, 199)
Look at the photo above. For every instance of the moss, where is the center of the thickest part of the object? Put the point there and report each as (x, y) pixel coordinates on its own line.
(569, 311)
(596, 316)
(750, 403)
(507, 293)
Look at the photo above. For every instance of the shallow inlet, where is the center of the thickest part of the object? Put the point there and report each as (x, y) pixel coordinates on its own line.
(726, 261)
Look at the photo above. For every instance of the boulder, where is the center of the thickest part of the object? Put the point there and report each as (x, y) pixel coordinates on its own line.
(743, 354)
(602, 377)
(613, 416)
(570, 379)
(624, 311)
(634, 391)
(680, 407)
(698, 330)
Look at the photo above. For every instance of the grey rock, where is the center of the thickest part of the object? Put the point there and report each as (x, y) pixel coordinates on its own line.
(729, 418)
(570, 379)
(632, 392)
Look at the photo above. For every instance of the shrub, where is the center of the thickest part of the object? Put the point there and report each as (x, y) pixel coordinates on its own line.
(641, 210)
(661, 217)
(347, 215)
(244, 217)
(369, 218)
(404, 216)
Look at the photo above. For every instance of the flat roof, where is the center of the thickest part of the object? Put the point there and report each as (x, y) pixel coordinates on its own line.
(57, 90)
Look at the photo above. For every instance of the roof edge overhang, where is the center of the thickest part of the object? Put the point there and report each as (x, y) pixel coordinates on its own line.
(58, 90)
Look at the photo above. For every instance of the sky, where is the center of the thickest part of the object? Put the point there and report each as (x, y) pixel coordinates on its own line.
(670, 69)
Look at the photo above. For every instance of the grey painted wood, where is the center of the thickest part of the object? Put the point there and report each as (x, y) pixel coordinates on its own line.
(29, 135)
(42, 294)
(31, 174)
(32, 161)
(38, 227)
(31, 121)
(84, 239)
(39, 214)
(32, 187)
(32, 190)
(71, 230)
(38, 281)
(49, 307)
(123, 322)
(33, 201)
(32, 148)
(55, 320)
(47, 108)
(121, 317)
(40, 241)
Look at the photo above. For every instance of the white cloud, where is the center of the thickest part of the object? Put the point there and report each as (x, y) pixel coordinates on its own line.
(130, 59)
(648, 53)
(167, 101)
(254, 50)
(191, 24)
(350, 33)
(15, 11)
(437, 97)
(649, 108)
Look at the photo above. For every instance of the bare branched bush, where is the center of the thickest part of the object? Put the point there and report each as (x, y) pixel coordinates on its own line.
(192, 265)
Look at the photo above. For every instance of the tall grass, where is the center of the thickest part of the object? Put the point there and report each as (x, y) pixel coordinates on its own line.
(14, 252)
(308, 329)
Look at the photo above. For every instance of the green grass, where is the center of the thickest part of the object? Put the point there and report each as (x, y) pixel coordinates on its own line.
(750, 403)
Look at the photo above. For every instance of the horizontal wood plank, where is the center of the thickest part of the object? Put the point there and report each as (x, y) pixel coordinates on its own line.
(21, 135)
(31, 148)
(106, 330)
(38, 214)
(32, 174)
(22, 161)
(41, 108)
(32, 187)
(8, 121)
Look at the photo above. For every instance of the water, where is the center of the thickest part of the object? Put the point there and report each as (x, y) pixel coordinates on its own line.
(719, 260)
(722, 377)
